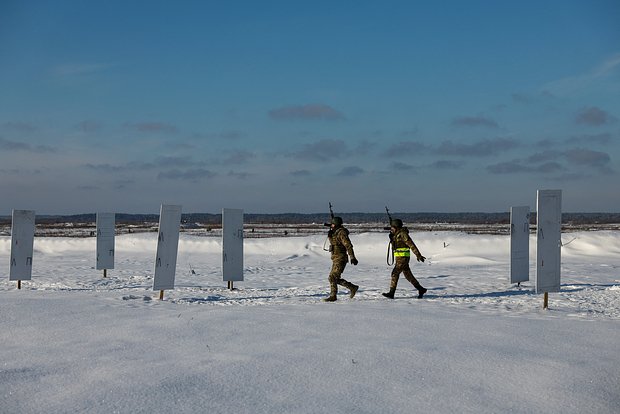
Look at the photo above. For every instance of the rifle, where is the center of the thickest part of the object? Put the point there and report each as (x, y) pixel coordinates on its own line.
(331, 214)
(387, 210)
(390, 248)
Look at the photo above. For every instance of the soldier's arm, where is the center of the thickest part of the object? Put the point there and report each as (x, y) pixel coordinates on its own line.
(414, 249)
(346, 242)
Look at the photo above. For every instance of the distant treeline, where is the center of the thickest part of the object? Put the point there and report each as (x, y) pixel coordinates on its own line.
(309, 218)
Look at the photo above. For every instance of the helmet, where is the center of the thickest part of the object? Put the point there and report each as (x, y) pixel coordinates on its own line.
(396, 223)
(337, 221)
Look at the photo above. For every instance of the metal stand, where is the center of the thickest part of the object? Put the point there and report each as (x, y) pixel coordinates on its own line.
(19, 284)
(105, 272)
(161, 295)
(546, 301)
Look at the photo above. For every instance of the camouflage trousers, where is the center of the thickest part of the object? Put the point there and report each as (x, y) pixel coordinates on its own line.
(338, 265)
(401, 265)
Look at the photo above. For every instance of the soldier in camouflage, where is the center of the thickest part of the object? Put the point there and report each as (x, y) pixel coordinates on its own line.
(340, 246)
(401, 245)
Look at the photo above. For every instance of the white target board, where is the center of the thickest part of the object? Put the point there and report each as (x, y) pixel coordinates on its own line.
(22, 243)
(167, 247)
(106, 222)
(548, 240)
(232, 244)
(519, 244)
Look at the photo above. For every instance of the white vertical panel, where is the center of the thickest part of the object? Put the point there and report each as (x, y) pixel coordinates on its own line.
(548, 240)
(106, 222)
(519, 244)
(167, 247)
(22, 243)
(232, 245)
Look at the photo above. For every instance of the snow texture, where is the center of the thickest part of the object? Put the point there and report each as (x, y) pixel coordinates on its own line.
(73, 341)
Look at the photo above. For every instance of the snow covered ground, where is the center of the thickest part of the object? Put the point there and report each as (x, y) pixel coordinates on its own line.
(72, 341)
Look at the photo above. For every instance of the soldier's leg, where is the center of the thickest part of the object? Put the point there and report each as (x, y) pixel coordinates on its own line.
(334, 276)
(394, 279)
(409, 276)
(352, 287)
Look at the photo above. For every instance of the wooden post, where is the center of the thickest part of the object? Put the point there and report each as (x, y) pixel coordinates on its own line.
(161, 295)
(105, 272)
(19, 284)
(546, 301)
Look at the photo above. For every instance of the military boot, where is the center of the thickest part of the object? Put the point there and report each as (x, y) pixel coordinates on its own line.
(390, 294)
(332, 294)
(421, 292)
(353, 291)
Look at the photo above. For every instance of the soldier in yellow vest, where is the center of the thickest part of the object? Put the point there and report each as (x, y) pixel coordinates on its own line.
(402, 246)
(341, 250)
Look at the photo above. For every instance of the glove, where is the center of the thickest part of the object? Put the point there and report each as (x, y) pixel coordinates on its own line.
(354, 261)
(421, 258)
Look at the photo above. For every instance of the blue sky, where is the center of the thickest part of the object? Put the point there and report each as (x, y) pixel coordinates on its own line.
(282, 106)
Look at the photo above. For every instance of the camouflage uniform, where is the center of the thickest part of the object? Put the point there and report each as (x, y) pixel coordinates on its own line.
(341, 249)
(401, 244)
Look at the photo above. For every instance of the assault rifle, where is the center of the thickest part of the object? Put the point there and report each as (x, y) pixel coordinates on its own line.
(390, 248)
(387, 210)
(331, 214)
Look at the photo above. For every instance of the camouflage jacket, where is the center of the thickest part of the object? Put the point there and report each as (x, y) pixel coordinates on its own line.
(339, 243)
(402, 240)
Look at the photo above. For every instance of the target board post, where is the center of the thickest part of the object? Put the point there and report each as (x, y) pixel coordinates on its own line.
(167, 248)
(106, 223)
(22, 245)
(548, 242)
(232, 245)
(519, 244)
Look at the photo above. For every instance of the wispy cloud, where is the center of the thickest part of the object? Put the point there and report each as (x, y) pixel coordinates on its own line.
(323, 150)
(401, 166)
(20, 126)
(474, 121)
(306, 112)
(300, 173)
(238, 157)
(406, 148)
(482, 148)
(351, 171)
(573, 84)
(8, 145)
(193, 175)
(586, 157)
(593, 116)
(240, 175)
(447, 165)
(508, 167)
(153, 127)
(599, 139)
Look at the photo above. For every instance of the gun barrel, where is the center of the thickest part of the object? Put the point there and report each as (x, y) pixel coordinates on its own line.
(327, 224)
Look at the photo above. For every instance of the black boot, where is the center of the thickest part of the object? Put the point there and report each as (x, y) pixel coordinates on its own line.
(421, 292)
(353, 291)
(390, 294)
(333, 291)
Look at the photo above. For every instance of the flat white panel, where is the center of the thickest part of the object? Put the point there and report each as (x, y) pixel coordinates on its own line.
(519, 244)
(167, 247)
(106, 223)
(232, 245)
(548, 240)
(22, 243)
